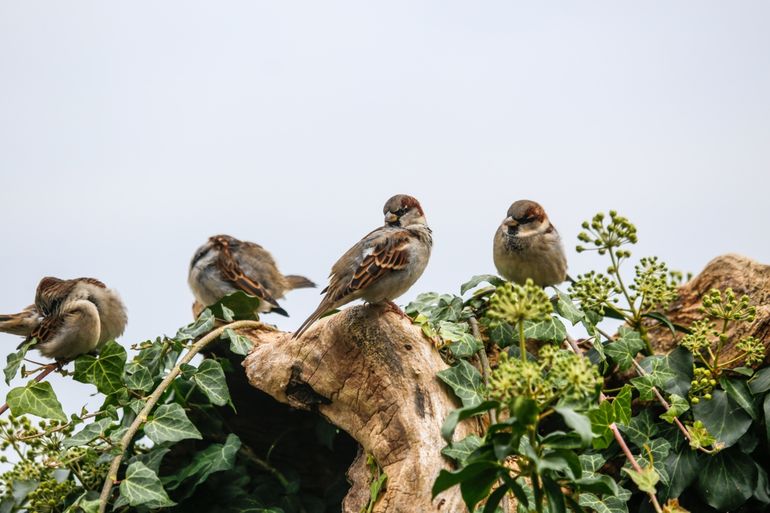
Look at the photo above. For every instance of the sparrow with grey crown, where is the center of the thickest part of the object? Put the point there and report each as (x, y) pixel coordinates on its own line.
(527, 245)
(384, 264)
(225, 264)
(69, 317)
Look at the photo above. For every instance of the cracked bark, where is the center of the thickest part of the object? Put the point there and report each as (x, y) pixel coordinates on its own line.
(371, 373)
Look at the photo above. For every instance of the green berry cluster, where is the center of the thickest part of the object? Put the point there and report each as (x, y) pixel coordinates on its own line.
(753, 349)
(513, 303)
(600, 237)
(701, 333)
(558, 375)
(50, 496)
(653, 285)
(728, 307)
(702, 384)
(595, 291)
(706, 342)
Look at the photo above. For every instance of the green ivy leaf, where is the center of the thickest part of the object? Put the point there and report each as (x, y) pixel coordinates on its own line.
(465, 381)
(104, 371)
(214, 458)
(210, 378)
(739, 391)
(728, 480)
(141, 487)
(678, 405)
(682, 468)
(202, 325)
(759, 383)
(36, 398)
(723, 417)
(646, 480)
(14, 360)
(463, 344)
(139, 379)
(470, 472)
(238, 343)
(551, 329)
(88, 434)
(493, 280)
(567, 309)
(237, 306)
(625, 348)
(503, 334)
(459, 451)
(601, 418)
(152, 459)
(641, 429)
(621, 406)
(577, 421)
(460, 414)
(170, 424)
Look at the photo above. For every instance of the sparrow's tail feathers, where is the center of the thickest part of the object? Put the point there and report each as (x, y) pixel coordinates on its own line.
(279, 311)
(299, 282)
(322, 309)
(22, 323)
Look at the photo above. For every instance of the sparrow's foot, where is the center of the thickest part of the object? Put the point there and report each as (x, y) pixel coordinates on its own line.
(393, 307)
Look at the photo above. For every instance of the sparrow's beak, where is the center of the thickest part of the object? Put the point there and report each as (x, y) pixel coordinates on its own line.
(510, 222)
(390, 217)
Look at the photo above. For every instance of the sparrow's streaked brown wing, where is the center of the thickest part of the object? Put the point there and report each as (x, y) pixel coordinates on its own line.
(389, 253)
(233, 273)
(47, 328)
(383, 252)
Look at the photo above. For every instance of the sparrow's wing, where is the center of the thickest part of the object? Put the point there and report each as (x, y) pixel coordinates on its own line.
(47, 328)
(378, 254)
(233, 273)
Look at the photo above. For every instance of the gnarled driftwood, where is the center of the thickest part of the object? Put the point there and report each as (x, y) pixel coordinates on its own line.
(373, 374)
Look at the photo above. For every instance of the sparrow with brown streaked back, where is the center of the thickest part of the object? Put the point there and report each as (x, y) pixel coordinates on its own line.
(527, 245)
(225, 264)
(69, 317)
(384, 264)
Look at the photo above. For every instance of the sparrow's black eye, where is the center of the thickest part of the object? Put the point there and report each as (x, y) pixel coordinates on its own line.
(527, 219)
(401, 211)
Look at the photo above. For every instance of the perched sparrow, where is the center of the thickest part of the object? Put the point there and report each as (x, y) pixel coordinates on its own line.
(52, 293)
(225, 264)
(69, 317)
(382, 265)
(528, 246)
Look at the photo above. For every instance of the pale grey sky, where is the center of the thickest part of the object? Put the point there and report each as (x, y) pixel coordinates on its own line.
(131, 131)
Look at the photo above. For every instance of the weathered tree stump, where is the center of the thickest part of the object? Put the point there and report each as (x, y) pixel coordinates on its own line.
(744, 276)
(371, 373)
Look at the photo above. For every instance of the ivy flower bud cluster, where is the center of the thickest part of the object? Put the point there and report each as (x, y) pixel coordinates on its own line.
(558, 375)
(513, 303)
(653, 285)
(600, 237)
(728, 307)
(595, 291)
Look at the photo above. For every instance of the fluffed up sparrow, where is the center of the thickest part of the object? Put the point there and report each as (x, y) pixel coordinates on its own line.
(69, 317)
(384, 264)
(527, 245)
(225, 264)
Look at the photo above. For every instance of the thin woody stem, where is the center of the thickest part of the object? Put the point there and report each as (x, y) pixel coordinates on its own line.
(112, 474)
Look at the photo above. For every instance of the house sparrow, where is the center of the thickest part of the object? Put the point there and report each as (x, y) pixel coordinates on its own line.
(69, 317)
(225, 264)
(527, 245)
(384, 264)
